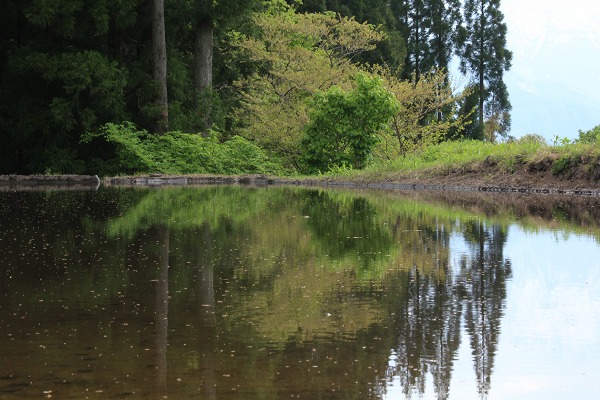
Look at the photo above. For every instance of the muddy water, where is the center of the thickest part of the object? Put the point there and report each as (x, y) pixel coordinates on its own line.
(278, 293)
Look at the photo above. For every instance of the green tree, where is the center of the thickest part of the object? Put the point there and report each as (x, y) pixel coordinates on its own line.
(63, 71)
(429, 27)
(344, 125)
(420, 121)
(391, 51)
(415, 22)
(445, 20)
(468, 110)
(212, 22)
(295, 56)
(483, 53)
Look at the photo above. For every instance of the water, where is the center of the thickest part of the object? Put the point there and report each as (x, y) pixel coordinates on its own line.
(277, 293)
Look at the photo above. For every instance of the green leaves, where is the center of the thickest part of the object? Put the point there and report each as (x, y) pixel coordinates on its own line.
(343, 125)
(181, 153)
(296, 55)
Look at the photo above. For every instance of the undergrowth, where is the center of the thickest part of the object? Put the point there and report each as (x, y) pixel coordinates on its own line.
(137, 151)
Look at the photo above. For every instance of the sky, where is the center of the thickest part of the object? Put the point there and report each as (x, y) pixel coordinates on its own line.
(554, 82)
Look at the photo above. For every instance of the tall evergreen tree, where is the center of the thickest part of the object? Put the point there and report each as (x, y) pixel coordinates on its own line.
(445, 20)
(415, 24)
(483, 53)
(159, 64)
(429, 26)
(63, 71)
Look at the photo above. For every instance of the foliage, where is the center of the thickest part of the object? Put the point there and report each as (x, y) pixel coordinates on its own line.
(391, 51)
(468, 110)
(137, 151)
(344, 125)
(427, 113)
(533, 138)
(591, 136)
(296, 56)
(561, 164)
(561, 141)
(429, 27)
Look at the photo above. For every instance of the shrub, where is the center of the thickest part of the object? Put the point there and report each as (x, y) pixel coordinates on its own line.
(343, 125)
(591, 136)
(561, 164)
(533, 138)
(137, 151)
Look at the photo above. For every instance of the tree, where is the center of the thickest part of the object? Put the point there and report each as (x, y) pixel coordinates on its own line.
(483, 53)
(497, 116)
(445, 20)
(64, 70)
(415, 22)
(391, 51)
(159, 64)
(419, 121)
(295, 56)
(468, 111)
(211, 15)
(429, 27)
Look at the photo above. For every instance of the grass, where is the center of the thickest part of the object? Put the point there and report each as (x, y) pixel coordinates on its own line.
(467, 155)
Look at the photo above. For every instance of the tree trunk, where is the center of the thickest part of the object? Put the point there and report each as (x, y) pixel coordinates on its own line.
(204, 55)
(159, 55)
(203, 71)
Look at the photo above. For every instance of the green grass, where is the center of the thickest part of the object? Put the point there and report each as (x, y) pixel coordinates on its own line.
(466, 155)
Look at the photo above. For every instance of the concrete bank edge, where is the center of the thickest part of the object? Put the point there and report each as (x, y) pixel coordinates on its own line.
(158, 180)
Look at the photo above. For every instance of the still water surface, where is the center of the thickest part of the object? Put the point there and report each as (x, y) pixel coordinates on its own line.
(277, 293)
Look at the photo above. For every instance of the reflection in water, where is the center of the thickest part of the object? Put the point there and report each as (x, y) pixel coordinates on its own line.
(206, 309)
(161, 313)
(437, 301)
(255, 293)
(483, 279)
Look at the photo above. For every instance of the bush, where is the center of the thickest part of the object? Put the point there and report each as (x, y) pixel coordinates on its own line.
(137, 151)
(561, 164)
(533, 138)
(343, 125)
(591, 136)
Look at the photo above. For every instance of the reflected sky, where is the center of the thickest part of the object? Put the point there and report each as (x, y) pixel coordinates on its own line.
(548, 346)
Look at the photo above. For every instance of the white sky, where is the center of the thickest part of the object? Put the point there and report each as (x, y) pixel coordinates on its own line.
(556, 47)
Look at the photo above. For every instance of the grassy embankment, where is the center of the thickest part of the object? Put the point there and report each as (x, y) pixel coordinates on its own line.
(478, 161)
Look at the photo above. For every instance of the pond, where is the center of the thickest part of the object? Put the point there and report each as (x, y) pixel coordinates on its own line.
(228, 292)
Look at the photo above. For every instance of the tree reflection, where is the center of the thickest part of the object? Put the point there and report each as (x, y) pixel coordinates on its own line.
(286, 291)
(439, 298)
(483, 276)
(161, 314)
(341, 239)
(429, 320)
(205, 293)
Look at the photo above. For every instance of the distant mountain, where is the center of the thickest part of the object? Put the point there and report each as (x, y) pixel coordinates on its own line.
(554, 84)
